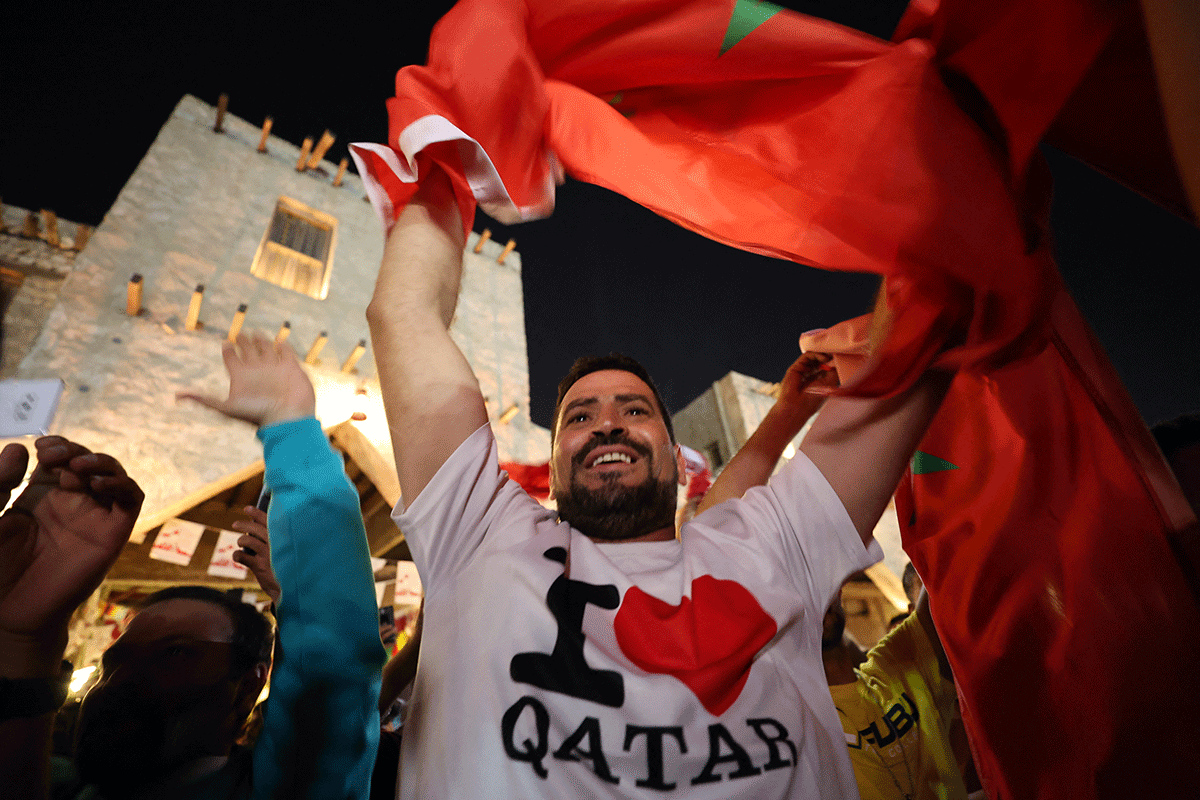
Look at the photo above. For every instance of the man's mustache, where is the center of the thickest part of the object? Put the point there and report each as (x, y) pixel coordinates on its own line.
(605, 440)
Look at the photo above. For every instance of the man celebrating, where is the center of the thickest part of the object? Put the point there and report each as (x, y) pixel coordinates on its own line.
(592, 653)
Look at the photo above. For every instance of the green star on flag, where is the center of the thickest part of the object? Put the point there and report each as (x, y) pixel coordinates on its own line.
(747, 15)
(923, 463)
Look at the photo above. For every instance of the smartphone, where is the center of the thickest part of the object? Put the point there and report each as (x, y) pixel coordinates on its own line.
(264, 502)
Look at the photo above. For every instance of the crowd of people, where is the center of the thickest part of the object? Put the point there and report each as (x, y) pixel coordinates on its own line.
(169, 714)
(596, 650)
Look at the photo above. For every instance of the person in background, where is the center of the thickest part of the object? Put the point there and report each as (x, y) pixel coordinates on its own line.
(57, 541)
(398, 672)
(899, 710)
(321, 725)
(254, 551)
(175, 689)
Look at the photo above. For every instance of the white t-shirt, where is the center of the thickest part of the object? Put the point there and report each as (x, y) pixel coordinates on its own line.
(686, 668)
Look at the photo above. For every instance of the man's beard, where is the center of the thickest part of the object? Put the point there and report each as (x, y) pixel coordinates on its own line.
(126, 740)
(616, 512)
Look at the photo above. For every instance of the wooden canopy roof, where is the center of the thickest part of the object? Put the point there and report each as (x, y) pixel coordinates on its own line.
(220, 504)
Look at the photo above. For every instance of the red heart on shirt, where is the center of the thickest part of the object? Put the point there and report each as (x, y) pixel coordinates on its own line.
(708, 641)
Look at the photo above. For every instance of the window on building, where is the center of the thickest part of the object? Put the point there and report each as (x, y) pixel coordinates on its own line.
(296, 252)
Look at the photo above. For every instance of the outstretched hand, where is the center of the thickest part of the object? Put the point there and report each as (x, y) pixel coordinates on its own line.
(60, 537)
(255, 552)
(807, 382)
(266, 383)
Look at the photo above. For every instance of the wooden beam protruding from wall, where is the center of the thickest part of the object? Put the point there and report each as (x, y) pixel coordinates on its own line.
(305, 149)
(50, 223)
(133, 295)
(235, 327)
(318, 153)
(508, 248)
(341, 173)
(483, 237)
(222, 107)
(266, 132)
(285, 330)
(30, 229)
(83, 234)
(193, 316)
(315, 350)
(355, 355)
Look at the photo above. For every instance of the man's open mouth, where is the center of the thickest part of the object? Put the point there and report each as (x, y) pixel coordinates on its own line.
(612, 458)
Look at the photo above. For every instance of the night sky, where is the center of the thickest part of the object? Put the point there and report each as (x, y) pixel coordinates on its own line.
(87, 85)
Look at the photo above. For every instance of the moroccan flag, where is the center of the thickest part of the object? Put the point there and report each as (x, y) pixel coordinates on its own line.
(1041, 517)
(767, 130)
(795, 137)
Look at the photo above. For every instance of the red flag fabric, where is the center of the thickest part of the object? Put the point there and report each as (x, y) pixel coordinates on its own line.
(533, 478)
(1099, 103)
(798, 138)
(1041, 517)
(758, 127)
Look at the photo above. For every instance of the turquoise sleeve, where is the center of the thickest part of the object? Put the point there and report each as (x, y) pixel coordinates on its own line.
(321, 726)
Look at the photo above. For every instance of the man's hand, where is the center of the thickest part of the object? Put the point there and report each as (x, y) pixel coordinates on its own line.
(808, 380)
(255, 554)
(266, 383)
(57, 542)
(754, 463)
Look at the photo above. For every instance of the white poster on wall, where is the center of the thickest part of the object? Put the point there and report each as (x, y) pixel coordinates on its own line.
(408, 584)
(222, 564)
(177, 541)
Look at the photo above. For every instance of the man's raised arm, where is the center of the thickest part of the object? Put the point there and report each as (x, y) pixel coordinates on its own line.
(862, 446)
(753, 464)
(430, 393)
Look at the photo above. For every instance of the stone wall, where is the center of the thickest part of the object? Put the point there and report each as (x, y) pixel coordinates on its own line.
(45, 268)
(725, 416)
(193, 213)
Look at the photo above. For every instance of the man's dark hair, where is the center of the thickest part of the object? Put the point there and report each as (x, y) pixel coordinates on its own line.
(1175, 434)
(589, 364)
(252, 632)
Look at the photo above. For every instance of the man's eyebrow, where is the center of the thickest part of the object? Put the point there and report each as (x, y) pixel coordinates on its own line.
(620, 398)
(582, 401)
(630, 398)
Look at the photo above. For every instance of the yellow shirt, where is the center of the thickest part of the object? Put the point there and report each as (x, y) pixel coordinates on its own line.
(897, 718)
